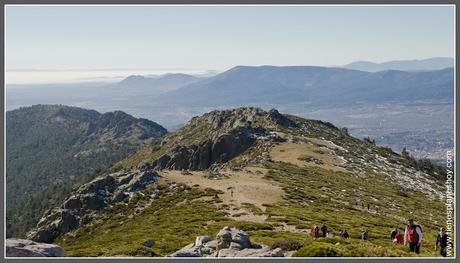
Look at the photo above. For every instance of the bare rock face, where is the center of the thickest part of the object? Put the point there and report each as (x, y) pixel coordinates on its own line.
(223, 148)
(280, 119)
(90, 198)
(229, 242)
(229, 133)
(27, 248)
(200, 157)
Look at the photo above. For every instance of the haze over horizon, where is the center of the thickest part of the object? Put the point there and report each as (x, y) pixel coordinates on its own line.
(220, 37)
(71, 76)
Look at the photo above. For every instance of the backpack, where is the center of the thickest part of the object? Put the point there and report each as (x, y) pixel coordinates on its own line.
(419, 226)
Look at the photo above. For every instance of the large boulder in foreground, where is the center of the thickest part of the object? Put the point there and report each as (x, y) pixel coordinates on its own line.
(28, 248)
(229, 242)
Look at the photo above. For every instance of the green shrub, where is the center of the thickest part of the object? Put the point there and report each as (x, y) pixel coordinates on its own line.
(288, 244)
(318, 249)
(142, 252)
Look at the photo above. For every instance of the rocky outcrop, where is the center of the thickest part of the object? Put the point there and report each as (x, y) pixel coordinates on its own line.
(277, 118)
(28, 248)
(87, 200)
(200, 157)
(219, 136)
(240, 117)
(229, 242)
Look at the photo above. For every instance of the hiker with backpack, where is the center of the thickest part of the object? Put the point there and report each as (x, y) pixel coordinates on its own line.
(396, 237)
(394, 233)
(442, 240)
(365, 235)
(345, 234)
(324, 229)
(413, 235)
(399, 239)
(316, 232)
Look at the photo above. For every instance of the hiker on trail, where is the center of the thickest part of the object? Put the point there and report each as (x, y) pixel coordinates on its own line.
(394, 233)
(396, 237)
(231, 190)
(324, 229)
(442, 241)
(316, 232)
(365, 235)
(330, 234)
(345, 234)
(399, 239)
(413, 235)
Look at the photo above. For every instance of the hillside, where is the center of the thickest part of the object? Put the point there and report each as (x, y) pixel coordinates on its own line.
(271, 175)
(51, 148)
(164, 83)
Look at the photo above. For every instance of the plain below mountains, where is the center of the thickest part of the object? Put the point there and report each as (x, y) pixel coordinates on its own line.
(52, 148)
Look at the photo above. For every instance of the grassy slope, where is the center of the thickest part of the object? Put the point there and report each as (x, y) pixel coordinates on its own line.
(175, 217)
(174, 223)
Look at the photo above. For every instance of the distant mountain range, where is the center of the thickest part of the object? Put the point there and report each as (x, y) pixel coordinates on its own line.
(164, 83)
(243, 85)
(375, 104)
(405, 65)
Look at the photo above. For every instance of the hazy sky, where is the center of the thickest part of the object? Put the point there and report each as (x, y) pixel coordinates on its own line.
(220, 37)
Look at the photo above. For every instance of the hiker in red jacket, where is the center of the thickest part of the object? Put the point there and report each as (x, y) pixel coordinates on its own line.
(413, 235)
(399, 239)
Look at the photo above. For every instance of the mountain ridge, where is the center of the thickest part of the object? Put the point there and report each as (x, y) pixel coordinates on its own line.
(434, 63)
(50, 148)
(162, 83)
(312, 85)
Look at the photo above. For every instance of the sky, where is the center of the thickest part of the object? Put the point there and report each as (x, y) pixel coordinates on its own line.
(198, 38)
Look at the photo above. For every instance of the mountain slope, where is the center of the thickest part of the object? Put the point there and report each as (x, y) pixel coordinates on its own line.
(162, 83)
(50, 148)
(405, 65)
(312, 86)
(270, 174)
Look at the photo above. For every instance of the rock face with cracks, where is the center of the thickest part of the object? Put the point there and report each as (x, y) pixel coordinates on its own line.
(229, 134)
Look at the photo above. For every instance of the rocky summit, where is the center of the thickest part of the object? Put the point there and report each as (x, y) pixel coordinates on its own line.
(247, 172)
(216, 138)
